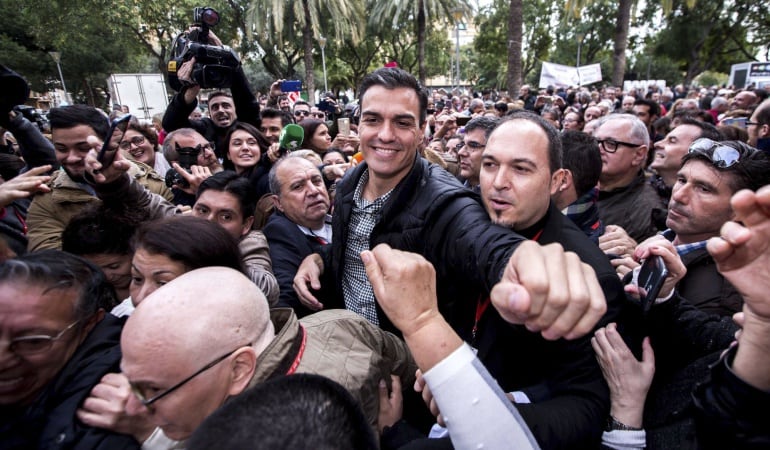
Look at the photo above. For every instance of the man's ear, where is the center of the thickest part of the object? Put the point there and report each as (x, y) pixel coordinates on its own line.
(557, 180)
(567, 180)
(247, 224)
(640, 155)
(763, 131)
(242, 369)
(277, 203)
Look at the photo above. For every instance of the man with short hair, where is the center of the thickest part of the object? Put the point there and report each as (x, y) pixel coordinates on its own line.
(670, 150)
(230, 200)
(273, 122)
(58, 343)
(300, 226)
(49, 213)
(592, 113)
(473, 143)
(711, 173)
(398, 198)
(625, 198)
(627, 106)
(648, 112)
(517, 183)
(758, 127)
(206, 162)
(182, 370)
(301, 110)
(719, 106)
(577, 196)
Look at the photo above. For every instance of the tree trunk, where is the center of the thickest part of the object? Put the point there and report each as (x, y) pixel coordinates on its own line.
(515, 33)
(307, 43)
(621, 42)
(421, 32)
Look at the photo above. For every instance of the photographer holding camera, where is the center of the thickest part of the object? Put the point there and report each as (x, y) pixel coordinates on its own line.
(201, 61)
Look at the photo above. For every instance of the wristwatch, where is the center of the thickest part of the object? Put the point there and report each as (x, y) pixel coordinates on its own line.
(614, 424)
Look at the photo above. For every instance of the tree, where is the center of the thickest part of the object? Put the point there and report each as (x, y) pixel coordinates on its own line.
(515, 33)
(421, 12)
(272, 16)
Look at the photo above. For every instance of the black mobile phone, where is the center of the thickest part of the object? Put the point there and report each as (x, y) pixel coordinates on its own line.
(112, 142)
(461, 121)
(650, 280)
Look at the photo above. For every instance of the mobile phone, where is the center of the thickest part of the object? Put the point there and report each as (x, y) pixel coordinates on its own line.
(739, 122)
(112, 142)
(650, 280)
(291, 86)
(343, 126)
(462, 120)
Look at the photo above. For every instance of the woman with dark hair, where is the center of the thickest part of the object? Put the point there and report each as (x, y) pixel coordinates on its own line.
(317, 136)
(170, 247)
(140, 143)
(245, 153)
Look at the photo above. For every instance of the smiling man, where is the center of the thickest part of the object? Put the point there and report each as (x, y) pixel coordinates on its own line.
(57, 344)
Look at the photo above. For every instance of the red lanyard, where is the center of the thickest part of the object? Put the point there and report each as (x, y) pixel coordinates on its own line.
(301, 350)
(483, 303)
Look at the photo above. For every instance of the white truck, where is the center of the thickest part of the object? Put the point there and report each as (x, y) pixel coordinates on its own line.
(748, 73)
(145, 94)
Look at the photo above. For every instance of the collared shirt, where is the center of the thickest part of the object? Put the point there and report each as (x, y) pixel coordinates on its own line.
(683, 249)
(323, 235)
(357, 291)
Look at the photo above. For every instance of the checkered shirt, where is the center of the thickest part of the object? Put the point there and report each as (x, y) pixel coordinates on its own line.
(357, 291)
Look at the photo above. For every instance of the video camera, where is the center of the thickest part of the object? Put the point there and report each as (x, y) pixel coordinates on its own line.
(214, 65)
(187, 157)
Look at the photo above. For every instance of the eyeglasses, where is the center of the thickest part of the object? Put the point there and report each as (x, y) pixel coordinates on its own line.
(756, 124)
(611, 145)
(319, 115)
(720, 155)
(149, 401)
(471, 145)
(136, 140)
(302, 113)
(31, 345)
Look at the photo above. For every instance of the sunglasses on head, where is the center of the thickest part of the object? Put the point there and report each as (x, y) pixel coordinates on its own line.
(721, 156)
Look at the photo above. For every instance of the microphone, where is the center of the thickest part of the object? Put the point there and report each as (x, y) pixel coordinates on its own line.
(291, 138)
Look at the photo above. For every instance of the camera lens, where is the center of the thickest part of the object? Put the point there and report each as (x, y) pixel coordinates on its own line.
(210, 17)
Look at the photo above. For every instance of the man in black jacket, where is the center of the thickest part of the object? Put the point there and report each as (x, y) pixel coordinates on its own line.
(224, 108)
(59, 345)
(299, 226)
(517, 182)
(397, 197)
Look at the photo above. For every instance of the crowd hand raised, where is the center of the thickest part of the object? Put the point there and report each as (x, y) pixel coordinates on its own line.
(184, 74)
(616, 241)
(660, 246)
(334, 172)
(391, 403)
(275, 88)
(194, 178)
(274, 152)
(549, 291)
(629, 380)
(309, 277)
(421, 387)
(106, 408)
(24, 185)
(100, 174)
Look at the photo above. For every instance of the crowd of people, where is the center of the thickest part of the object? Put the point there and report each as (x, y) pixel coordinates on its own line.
(420, 270)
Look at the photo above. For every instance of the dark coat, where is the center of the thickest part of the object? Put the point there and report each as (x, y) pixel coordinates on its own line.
(633, 207)
(50, 422)
(288, 247)
(706, 288)
(430, 213)
(570, 399)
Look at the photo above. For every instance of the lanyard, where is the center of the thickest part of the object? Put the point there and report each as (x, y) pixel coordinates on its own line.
(301, 350)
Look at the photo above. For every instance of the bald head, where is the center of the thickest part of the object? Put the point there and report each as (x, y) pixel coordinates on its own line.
(202, 312)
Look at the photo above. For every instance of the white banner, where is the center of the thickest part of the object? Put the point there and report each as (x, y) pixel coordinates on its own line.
(558, 75)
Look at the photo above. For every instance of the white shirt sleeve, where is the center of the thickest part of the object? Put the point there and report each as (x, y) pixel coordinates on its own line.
(475, 408)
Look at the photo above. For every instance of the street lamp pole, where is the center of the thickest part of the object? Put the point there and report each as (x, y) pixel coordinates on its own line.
(579, 37)
(57, 59)
(458, 15)
(322, 43)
